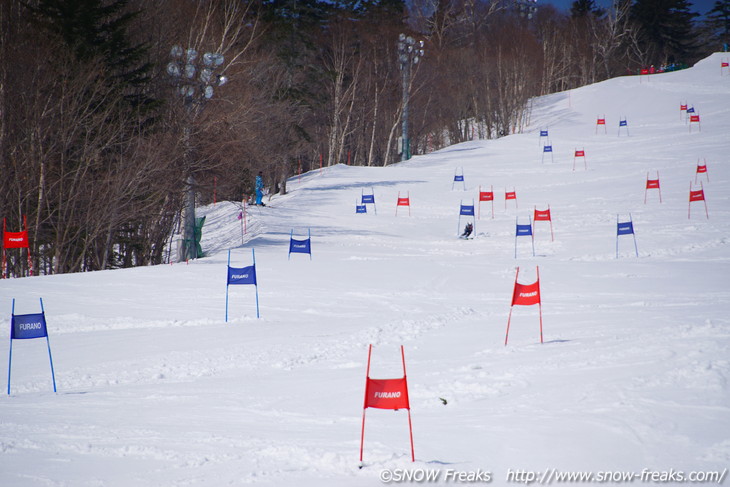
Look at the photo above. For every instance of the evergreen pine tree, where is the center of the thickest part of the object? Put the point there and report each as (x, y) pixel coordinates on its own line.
(718, 19)
(581, 8)
(667, 31)
(92, 30)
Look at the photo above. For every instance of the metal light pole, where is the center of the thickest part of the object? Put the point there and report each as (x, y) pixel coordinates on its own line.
(526, 8)
(196, 91)
(409, 52)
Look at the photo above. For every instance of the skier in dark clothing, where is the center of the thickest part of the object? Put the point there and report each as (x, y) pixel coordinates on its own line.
(467, 230)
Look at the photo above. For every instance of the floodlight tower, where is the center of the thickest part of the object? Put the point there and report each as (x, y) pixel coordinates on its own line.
(410, 52)
(526, 8)
(195, 90)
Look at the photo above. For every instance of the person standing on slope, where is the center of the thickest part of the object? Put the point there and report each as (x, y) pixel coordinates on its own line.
(260, 189)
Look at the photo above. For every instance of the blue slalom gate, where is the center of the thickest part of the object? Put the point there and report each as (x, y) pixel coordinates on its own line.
(242, 276)
(368, 199)
(459, 178)
(300, 246)
(25, 327)
(524, 231)
(547, 149)
(467, 210)
(625, 228)
(623, 123)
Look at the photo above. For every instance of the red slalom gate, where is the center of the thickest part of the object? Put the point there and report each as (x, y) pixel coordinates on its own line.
(644, 72)
(580, 153)
(544, 215)
(386, 394)
(701, 169)
(486, 196)
(696, 195)
(601, 121)
(653, 184)
(403, 201)
(510, 195)
(694, 119)
(16, 240)
(525, 295)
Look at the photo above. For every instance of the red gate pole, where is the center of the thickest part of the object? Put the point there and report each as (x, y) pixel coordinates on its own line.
(550, 219)
(27, 249)
(4, 257)
(479, 213)
(365, 402)
(410, 426)
(539, 303)
(509, 318)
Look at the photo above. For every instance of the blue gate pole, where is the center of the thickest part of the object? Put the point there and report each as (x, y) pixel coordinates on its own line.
(10, 355)
(617, 224)
(532, 236)
(633, 234)
(48, 342)
(53, 374)
(636, 248)
(227, 273)
(10, 361)
(256, 284)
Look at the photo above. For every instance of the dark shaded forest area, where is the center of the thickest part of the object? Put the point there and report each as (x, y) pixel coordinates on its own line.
(113, 112)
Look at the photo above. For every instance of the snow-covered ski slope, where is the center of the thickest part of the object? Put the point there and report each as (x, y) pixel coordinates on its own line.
(156, 389)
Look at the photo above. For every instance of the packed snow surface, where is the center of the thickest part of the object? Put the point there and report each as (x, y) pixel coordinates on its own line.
(155, 388)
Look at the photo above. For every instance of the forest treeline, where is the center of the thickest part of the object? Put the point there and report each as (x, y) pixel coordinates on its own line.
(101, 136)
